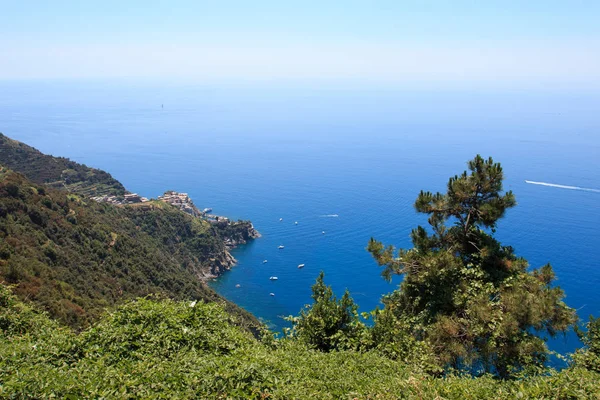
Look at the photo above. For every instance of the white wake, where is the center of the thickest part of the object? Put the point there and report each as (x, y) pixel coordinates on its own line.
(563, 186)
(330, 216)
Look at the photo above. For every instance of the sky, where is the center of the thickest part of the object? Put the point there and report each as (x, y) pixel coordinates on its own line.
(439, 42)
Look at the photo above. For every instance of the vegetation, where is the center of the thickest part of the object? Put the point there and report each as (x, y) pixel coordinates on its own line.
(74, 257)
(167, 349)
(464, 294)
(238, 232)
(57, 172)
(329, 324)
(589, 356)
(468, 312)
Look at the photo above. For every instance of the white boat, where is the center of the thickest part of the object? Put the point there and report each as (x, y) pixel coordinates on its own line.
(273, 278)
(280, 219)
(281, 247)
(301, 266)
(207, 210)
(323, 232)
(296, 223)
(238, 285)
(264, 261)
(271, 294)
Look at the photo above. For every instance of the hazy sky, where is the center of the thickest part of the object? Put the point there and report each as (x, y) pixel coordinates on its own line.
(484, 42)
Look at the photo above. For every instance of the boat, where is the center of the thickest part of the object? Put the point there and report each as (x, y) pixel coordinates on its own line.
(280, 219)
(264, 261)
(271, 294)
(296, 223)
(281, 246)
(238, 285)
(273, 278)
(207, 210)
(301, 266)
(323, 232)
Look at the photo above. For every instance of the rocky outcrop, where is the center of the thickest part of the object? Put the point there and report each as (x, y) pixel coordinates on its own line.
(236, 233)
(218, 266)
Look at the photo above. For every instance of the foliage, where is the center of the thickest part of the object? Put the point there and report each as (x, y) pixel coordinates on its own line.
(192, 240)
(58, 172)
(328, 324)
(589, 357)
(463, 292)
(234, 233)
(165, 349)
(74, 257)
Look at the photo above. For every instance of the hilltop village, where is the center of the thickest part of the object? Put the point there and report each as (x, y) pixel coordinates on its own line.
(176, 199)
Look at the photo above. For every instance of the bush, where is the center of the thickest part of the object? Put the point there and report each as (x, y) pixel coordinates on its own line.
(589, 356)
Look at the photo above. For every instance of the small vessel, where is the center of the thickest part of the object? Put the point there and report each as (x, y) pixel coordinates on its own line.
(264, 261)
(273, 278)
(301, 266)
(280, 219)
(271, 294)
(323, 232)
(238, 285)
(296, 223)
(207, 210)
(281, 246)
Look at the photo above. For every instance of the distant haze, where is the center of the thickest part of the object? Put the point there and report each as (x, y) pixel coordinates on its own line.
(434, 42)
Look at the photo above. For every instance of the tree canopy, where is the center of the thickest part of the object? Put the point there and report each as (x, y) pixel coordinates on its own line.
(468, 296)
(328, 324)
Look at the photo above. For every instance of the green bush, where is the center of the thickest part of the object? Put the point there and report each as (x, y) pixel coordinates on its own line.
(328, 324)
(589, 356)
(153, 348)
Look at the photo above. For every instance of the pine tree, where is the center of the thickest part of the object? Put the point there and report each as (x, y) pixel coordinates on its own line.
(328, 324)
(471, 298)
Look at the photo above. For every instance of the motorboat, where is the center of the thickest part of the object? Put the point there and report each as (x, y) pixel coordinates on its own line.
(273, 278)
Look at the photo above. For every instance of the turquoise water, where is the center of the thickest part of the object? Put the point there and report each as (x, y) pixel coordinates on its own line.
(307, 153)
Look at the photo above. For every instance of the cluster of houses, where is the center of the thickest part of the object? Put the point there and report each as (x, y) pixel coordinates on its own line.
(184, 203)
(179, 200)
(129, 198)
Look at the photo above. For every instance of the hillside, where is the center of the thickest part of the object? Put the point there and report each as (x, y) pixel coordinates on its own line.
(167, 349)
(57, 172)
(74, 257)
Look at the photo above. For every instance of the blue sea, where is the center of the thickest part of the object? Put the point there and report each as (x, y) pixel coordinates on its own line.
(347, 160)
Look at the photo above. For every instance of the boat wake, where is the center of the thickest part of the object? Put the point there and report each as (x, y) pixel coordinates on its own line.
(563, 186)
(329, 216)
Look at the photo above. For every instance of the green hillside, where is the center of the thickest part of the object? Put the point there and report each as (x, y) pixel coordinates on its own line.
(58, 172)
(74, 257)
(105, 301)
(166, 349)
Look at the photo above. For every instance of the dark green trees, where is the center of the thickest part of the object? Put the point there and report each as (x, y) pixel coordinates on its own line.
(589, 356)
(329, 324)
(465, 294)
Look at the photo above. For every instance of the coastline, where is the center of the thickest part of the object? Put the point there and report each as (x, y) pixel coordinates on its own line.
(228, 261)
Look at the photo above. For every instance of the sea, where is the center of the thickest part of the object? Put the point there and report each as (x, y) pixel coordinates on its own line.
(320, 168)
